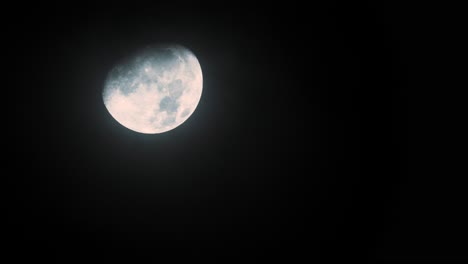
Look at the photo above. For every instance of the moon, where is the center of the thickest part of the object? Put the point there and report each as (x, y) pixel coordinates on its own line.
(155, 90)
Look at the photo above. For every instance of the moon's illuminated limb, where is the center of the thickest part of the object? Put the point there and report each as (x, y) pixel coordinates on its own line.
(155, 91)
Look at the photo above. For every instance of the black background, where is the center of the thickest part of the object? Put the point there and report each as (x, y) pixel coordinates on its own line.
(315, 137)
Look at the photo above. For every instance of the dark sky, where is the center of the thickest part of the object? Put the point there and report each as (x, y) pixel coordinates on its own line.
(307, 142)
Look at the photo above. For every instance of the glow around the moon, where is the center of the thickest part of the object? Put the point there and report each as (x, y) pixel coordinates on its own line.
(156, 90)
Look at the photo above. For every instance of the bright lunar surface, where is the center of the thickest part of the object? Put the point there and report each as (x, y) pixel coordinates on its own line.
(154, 91)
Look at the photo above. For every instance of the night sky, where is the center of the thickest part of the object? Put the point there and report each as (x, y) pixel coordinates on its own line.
(306, 145)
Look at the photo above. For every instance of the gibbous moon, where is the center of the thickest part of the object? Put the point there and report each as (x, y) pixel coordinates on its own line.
(154, 91)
